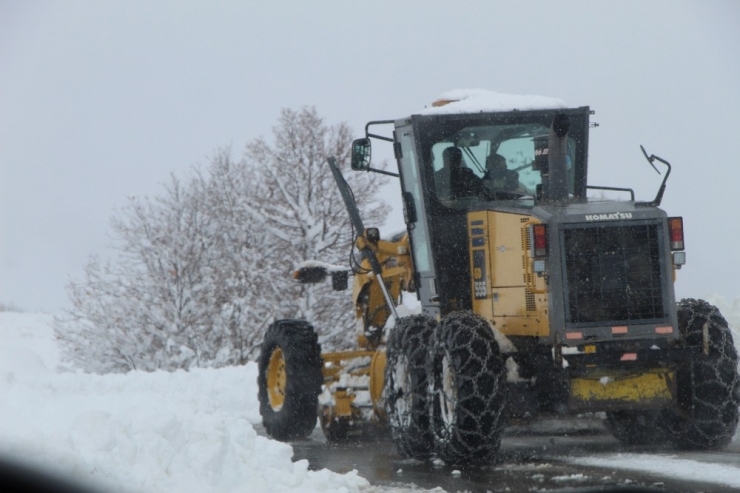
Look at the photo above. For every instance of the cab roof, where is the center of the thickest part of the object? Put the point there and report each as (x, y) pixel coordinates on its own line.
(480, 100)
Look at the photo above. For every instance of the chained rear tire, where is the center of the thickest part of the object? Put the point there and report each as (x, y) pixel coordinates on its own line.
(636, 427)
(289, 379)
(406, 386)
(708, 386)
(468, 390)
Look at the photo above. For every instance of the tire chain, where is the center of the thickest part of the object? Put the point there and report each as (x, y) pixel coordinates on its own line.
(709, 386)
(406, 402)
(478, 417)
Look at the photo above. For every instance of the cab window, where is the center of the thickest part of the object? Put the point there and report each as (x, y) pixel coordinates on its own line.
(492, 162)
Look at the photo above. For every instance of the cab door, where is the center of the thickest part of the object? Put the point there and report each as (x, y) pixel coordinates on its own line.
(415, 216)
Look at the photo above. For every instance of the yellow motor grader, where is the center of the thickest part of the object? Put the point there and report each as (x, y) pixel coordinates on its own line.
(536, 300)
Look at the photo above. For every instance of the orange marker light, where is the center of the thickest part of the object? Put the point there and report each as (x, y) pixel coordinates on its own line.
(675, 226)
(539, 243)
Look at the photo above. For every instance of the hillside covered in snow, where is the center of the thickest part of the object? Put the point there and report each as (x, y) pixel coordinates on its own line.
(142, 432)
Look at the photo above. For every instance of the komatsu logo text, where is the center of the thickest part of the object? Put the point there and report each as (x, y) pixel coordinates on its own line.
(608, 217)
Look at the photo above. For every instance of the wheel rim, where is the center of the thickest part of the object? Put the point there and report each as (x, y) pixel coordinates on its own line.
(402, 384)
(448, 396)
(276, 379)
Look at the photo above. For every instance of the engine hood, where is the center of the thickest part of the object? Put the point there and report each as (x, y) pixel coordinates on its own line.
(593, 211)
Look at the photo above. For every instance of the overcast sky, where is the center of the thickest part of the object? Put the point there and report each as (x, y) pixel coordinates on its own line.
(102, 100)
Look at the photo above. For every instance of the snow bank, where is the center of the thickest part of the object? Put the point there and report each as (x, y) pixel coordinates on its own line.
(680, 469)
(27, 343)
(481, 100)
(143, 432)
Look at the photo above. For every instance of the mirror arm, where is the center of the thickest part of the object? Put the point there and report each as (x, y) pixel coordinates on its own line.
(375, 136)
(659, 197)
(378, 122)
(369, 135)
(383, 172)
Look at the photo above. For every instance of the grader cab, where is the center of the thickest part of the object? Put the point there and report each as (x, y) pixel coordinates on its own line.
(535, 299)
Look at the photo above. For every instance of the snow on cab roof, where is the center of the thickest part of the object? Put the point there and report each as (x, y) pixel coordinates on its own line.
(481, 100)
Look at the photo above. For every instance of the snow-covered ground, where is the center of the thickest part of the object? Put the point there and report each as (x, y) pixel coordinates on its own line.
(143, 432)
(667, 466)
(189, 431)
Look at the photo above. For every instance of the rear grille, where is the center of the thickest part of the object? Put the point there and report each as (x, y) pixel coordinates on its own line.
(529, 301)
(613, 274)
(526, 277)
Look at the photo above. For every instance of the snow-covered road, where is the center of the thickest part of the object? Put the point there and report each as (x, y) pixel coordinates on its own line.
(551, 454)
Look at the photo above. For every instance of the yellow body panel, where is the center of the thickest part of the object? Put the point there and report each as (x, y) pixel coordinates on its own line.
(342, 403)
(515, 298)
(651, 389)
(334, 363)
(370, 364)
(370, 306)
(372, 313)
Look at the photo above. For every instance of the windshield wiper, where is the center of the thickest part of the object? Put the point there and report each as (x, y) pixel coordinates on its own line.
(474, 159)
(504, 194)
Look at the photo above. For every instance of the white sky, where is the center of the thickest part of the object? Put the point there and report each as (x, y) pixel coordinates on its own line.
(100, 101)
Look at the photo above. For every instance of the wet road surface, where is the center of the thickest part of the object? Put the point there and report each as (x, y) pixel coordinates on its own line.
(531, 458)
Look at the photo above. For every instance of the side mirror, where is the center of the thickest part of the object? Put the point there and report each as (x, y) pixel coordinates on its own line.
(361, 154)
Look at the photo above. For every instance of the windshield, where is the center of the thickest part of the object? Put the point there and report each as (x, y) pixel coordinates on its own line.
(491, 162)
(471, 161)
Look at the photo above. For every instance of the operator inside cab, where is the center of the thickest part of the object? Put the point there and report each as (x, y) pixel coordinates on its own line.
(498, 176)
(455, 180)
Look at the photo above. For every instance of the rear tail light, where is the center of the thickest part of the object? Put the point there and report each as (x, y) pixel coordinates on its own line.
(675, 227)
(539, 240)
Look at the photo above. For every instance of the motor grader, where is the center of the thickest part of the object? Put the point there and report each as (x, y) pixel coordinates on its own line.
(536, 299)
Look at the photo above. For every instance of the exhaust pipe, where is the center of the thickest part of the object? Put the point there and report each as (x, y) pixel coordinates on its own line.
(555, 182)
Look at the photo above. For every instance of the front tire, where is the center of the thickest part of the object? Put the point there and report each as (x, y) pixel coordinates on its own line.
(289, 379)
(468, 390)
(406, 386)
(708, 385)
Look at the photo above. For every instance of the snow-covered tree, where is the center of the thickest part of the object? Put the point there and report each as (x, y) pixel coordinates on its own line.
(305, 216)
(178, 292)
(201, 270)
